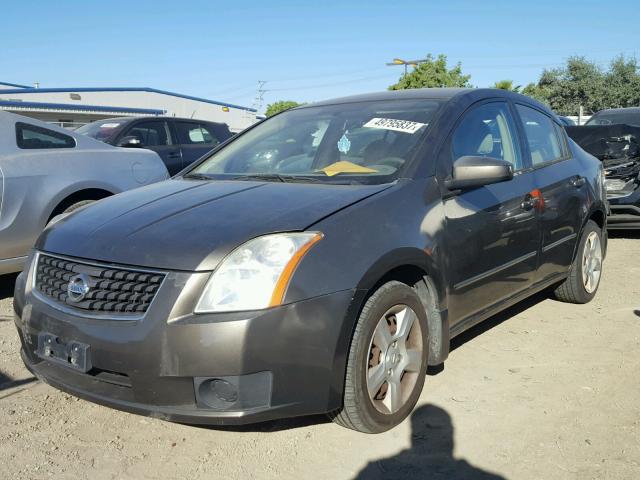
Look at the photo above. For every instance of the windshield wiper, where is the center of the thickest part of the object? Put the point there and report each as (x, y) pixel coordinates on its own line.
(276, 177)
(197, 176)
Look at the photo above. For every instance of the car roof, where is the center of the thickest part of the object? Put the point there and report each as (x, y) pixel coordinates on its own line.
(619, 110)
(444, 94)
(159, 117)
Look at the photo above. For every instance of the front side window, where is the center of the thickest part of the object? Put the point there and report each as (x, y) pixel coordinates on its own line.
(361, 142)
(487, 131)
(542, 136)
(33, 137)
(150, 134)
(195, 133)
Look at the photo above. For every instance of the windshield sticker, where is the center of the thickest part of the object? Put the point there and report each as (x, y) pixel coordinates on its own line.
(344, 144)
(404, 126)
(109, 125)
(345, 167)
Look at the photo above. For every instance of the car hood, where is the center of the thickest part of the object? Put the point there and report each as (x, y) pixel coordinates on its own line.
(191, 225)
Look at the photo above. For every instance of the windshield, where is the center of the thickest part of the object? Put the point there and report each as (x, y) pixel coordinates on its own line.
(615, 118)
(365, 142)
(101, 130)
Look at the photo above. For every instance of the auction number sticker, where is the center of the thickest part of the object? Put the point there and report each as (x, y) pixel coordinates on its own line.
(405, 126)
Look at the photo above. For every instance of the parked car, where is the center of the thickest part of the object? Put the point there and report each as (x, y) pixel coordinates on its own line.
(618, 147)
(178, 141)
(318, 262)
(46, 171)
(616, 116)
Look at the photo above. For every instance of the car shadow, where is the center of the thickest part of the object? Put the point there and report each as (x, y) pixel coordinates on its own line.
(6, 382)
(430, 455)
(7, 284)
(498, 318)
(271, 425)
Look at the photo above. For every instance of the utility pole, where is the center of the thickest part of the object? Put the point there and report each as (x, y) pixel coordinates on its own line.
(259, 98)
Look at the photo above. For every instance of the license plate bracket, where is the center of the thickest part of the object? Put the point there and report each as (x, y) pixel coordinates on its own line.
(72, 354)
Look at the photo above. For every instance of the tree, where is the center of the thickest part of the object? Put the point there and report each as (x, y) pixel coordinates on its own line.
(507, 85)
(434, 72)
(280, 106)
(583, 83)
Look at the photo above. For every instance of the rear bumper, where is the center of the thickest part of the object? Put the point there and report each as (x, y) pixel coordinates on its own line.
(283, 362)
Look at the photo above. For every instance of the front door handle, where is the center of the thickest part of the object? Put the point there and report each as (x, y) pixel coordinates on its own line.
(529, 203)
(577, 181)
(175, 155)
(533, 199)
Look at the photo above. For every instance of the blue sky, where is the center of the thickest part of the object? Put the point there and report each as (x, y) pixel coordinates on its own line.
(305, 50)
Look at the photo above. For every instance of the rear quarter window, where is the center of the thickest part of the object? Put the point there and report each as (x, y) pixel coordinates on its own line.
(31, 137)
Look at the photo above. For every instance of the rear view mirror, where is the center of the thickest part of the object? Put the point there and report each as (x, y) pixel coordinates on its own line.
(471, 171)
(130, 142)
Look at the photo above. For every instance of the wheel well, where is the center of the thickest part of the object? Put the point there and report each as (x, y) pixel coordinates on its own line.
(598, 217)
(79, 196)
(419, 279)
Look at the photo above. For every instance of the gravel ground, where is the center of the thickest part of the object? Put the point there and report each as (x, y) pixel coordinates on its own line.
(545, 390)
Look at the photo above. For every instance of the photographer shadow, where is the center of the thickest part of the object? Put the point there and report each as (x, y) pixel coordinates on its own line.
(430, 455)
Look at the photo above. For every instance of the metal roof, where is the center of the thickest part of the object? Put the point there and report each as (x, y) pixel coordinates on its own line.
(15, 85)
(123, 89)
(77, 108)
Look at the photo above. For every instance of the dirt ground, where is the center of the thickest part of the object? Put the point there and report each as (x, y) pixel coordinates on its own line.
(546, 390)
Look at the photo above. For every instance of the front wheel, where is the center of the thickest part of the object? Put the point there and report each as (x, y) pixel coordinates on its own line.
(387, 360)
(584, 276)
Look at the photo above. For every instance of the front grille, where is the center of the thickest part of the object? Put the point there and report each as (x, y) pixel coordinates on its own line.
(111, 289)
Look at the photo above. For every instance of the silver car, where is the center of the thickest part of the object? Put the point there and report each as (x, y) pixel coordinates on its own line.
(46, 171)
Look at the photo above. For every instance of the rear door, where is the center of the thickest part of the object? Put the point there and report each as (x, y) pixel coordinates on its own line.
(562, 188)
(155, 135)
(196, 139)
(491, 232)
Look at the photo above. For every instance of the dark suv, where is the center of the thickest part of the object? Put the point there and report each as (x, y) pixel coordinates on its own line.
(317, 262)
(178, 141)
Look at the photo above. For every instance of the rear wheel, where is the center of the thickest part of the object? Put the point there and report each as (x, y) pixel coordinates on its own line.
(77, 205)
(584, 277)
(387, 360)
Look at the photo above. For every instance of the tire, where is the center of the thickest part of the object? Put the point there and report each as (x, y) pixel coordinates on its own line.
(402, 369)
(68, 210)
(76, 206)
(575, 289)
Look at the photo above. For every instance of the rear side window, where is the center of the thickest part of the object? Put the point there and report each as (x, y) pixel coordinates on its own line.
(33, 137)
(196, 133)
(487, 131)
(150, 134)
(542, 136)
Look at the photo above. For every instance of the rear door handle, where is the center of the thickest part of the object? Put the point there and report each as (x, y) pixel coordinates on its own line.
(175, 155)
(577, 181)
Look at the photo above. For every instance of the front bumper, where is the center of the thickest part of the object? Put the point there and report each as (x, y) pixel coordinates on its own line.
(285, 361)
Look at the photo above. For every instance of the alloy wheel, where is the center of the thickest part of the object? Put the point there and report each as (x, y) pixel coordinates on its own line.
(395, 355)
(591, 262)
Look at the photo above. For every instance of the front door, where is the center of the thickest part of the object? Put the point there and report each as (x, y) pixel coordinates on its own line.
(491, 232)
(154, 135)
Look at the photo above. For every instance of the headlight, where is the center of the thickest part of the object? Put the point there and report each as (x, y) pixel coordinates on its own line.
(256, 274)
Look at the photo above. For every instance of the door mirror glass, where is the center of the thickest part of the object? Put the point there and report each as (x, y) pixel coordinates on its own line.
(472, 171)
(130, 142)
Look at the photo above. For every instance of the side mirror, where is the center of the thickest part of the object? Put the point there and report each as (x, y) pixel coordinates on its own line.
(130, 142)
(470, 172)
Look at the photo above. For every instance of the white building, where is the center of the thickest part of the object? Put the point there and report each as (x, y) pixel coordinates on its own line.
(72, 107)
